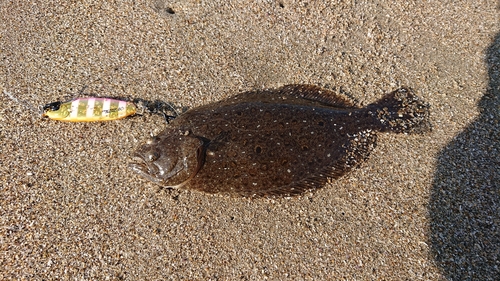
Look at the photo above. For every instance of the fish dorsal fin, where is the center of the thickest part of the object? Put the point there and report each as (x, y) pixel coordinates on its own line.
(317, 94)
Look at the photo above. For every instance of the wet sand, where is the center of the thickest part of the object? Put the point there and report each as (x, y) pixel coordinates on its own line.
(423, 207)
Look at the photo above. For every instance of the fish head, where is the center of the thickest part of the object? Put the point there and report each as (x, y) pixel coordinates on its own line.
(170, 159)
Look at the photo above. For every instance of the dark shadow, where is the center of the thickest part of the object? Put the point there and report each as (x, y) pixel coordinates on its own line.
(464, 206)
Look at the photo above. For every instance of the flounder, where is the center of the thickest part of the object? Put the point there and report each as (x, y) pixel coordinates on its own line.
(274, 142)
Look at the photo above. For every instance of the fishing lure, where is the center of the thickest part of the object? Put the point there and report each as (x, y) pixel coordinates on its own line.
(104, 109)
(89, 109)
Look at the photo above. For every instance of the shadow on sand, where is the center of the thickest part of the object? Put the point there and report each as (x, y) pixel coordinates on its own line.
(464, 206)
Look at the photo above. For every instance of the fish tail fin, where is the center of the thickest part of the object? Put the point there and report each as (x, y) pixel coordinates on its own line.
(401, 111)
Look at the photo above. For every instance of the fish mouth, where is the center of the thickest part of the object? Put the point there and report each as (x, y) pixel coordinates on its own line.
(143, 168)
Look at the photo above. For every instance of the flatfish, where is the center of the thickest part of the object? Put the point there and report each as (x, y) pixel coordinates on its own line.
(274, 142)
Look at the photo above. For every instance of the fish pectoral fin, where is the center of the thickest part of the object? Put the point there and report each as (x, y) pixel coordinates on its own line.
(201, 154)
(218, 142)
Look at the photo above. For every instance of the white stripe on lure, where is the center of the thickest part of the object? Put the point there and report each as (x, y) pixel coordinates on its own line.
(89, 109)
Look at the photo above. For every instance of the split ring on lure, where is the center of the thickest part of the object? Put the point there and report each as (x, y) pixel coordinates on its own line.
(89, 109)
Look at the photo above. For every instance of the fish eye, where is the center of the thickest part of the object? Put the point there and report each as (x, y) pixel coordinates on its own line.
(152, 156)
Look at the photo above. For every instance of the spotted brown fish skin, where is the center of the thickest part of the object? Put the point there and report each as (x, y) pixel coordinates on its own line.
(274, 142)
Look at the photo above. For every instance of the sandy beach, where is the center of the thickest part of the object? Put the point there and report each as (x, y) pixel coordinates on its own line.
(423, 207)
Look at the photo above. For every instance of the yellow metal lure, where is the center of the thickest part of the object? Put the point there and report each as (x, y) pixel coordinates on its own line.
(89, 109)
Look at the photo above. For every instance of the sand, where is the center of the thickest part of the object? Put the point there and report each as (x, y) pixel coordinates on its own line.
(423, 207)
